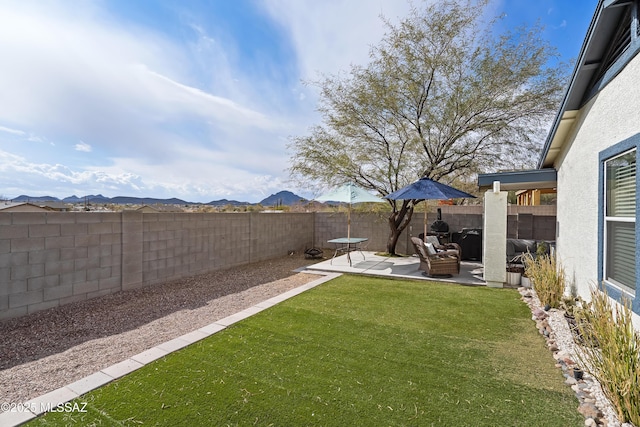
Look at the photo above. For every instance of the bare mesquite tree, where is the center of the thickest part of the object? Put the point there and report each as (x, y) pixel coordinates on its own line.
(442, 97)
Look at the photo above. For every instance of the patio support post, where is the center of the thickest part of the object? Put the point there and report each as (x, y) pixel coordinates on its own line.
(495, 236)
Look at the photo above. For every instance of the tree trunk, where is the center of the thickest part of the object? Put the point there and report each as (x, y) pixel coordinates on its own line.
(398, 221)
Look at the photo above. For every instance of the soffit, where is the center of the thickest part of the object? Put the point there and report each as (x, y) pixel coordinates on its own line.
(602, 30)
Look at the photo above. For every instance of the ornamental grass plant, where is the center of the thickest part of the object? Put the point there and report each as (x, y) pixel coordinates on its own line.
(611, 352)
(548, 278)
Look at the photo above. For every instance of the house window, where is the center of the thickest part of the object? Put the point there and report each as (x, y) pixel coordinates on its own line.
(620, 221)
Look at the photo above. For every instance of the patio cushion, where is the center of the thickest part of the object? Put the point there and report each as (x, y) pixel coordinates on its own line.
(433, 240)
(431, 250)
(447, 247)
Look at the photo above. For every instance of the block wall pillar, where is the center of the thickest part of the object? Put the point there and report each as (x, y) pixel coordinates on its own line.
(132, 249)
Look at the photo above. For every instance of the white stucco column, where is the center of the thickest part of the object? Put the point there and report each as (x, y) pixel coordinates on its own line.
(494, 237)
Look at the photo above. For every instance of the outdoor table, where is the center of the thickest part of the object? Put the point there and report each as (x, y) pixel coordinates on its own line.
(348, 245)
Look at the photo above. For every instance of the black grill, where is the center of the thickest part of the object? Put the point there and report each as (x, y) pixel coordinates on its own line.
(439, 226)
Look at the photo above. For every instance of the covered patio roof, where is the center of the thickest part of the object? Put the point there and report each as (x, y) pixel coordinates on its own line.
(534, 179)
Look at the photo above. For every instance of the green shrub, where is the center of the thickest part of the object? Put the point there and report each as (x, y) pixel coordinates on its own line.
(547, 276)
(611, 353)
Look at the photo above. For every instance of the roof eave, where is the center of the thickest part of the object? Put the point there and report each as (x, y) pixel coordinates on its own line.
(582, 73)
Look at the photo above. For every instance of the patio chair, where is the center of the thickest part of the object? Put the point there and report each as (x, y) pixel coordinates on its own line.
(436, 263)
(443, 247)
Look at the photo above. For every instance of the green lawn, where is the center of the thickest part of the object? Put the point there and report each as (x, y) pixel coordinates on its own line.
(356, 351)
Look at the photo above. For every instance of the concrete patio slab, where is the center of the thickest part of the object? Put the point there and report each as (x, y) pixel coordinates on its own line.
(398, 267)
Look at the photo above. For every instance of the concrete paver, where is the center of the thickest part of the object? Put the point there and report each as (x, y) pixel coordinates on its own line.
(194, 336)
(89, 383)
(212, 328)
(16, 418)
(52, 399)
(150, 355)
(241, 315)
(123, 368)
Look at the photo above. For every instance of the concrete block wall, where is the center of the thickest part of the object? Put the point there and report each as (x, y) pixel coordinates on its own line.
(177, 245)
(333, 225)
(54, 258)
(277, 234)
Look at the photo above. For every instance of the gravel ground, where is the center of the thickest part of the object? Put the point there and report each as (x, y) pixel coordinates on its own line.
(50, 349)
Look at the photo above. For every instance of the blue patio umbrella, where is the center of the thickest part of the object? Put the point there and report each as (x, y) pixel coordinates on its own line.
(427, 189)
(349, 193)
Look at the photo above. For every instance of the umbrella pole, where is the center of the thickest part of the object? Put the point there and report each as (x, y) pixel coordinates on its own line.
(349, 234)
(349, 222)
(424, 237)
(349, 225)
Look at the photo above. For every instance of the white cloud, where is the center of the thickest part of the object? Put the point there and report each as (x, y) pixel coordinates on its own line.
(76, 74)
(331, 35)
(183, 99)
(83, 146)
(165, 117)
(12, 131)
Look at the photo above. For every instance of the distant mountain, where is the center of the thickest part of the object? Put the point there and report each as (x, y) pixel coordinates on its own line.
(73, 199)
(285, 198)
(123, 200)
(24, 198)
(99, 198)
(225, 202)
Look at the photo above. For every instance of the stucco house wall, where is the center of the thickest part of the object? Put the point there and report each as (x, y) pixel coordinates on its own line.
(609, 118)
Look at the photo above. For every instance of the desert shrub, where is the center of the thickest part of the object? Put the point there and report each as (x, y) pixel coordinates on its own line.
(547, 276)
(611, 352)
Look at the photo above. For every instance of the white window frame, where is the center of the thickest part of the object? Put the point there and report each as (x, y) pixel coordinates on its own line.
(618, 219)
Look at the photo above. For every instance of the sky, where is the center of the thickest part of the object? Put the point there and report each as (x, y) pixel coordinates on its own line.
(194, 99)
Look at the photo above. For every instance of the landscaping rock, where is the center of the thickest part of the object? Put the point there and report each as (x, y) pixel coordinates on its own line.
(589, 410)
(540, 314)
(593, 404)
